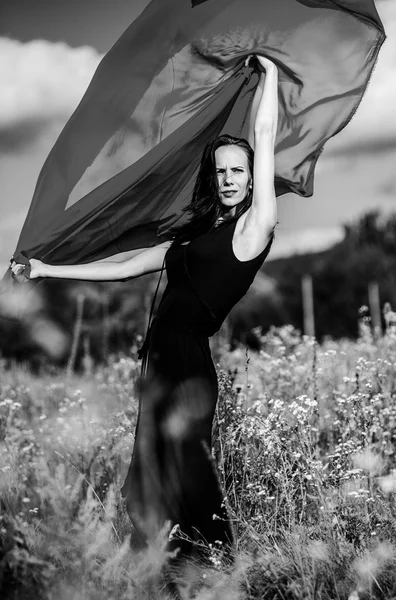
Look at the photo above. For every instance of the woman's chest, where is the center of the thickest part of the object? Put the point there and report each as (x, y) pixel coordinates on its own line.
(205, 254)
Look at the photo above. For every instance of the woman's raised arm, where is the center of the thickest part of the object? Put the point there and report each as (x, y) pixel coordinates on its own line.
(264, 122)
(147, 261)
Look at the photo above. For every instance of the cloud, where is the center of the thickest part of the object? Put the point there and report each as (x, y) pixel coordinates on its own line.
(300, 241)
(373, 127)
(40, 82)
(21, 135)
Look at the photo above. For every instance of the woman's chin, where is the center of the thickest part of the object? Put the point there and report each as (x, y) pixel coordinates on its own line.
(230, 202)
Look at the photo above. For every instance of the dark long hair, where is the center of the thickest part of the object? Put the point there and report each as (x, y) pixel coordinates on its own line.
(205, 207)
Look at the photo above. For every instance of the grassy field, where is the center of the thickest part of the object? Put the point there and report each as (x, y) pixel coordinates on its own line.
(305, 443)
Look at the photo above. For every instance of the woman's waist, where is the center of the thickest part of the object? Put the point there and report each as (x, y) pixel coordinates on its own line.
(194, 324)
(182, 309)
(164, 331)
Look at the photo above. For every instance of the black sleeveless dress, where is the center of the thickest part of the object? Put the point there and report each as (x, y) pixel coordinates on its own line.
(171, 476)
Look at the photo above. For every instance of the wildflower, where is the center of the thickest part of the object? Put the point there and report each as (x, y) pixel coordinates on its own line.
(388, 483)
(369, 461)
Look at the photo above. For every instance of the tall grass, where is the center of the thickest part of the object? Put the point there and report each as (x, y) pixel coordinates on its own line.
(305, 443)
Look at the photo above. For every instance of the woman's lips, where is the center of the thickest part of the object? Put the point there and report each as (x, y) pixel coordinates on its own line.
(228, 192)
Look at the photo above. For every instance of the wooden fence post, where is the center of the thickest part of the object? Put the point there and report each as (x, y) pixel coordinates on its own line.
(87, 361)
(308, 305)
(106, 326)
(76, 335)
(375, 307)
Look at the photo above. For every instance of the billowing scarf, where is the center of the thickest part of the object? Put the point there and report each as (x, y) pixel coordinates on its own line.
(124, 165)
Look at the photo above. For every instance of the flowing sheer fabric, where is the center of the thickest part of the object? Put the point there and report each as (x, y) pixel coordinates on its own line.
(124, 165)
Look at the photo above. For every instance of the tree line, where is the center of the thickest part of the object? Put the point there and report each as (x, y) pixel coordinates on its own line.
(114, 315)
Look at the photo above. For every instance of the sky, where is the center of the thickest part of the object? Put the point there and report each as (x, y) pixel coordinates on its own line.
(49, 50)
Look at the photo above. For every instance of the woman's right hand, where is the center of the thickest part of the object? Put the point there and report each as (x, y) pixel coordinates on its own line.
(266, 63)
(263, 61)
(37, 268)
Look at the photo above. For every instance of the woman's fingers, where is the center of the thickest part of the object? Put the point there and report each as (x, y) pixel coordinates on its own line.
(248, 60)
(14, 266)
(17, 268)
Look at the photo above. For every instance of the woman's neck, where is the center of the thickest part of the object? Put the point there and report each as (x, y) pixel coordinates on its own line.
(227, 217)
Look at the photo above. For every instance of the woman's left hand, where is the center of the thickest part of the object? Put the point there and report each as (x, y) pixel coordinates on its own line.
(37, 268)
(16, 268)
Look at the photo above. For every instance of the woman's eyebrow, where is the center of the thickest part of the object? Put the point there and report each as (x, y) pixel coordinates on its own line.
(235, 167)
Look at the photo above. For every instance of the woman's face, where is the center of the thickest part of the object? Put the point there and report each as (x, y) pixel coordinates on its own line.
(233, 175)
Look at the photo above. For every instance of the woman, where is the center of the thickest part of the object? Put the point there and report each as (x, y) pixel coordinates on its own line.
(210, 263)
